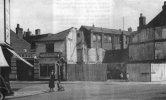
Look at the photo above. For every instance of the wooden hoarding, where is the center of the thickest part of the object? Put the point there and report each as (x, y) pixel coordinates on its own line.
(160, 33)
(158, 72)
(141, 52)
(139, 72)
(87, 72)
(160, 50)
(144, 35)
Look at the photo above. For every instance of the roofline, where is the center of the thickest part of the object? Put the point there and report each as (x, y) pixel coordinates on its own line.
(49, 40)
(83, 26)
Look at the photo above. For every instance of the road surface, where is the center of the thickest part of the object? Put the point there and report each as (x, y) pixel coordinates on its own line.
(104, 91)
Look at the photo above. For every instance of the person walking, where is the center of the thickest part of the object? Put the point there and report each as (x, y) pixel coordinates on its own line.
(51, 81)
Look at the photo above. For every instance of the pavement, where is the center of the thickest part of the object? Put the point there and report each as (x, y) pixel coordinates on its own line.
(40, 87)
(29, 91)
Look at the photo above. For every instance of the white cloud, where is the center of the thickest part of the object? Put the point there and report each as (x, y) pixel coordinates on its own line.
(82, 12)
(57, 15)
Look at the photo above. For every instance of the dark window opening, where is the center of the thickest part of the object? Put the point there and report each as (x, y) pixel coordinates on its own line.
(33, 46)
(45, 69)
(78, 35)
(50, 48)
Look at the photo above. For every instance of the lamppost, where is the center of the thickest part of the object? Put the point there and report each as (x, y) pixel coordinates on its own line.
(60, 65)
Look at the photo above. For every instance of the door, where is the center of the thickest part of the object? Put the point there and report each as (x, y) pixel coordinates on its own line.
(24, 71)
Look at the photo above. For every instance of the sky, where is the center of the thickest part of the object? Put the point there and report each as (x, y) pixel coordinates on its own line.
(52, 16)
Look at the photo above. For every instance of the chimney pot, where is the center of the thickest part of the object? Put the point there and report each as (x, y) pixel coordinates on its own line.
(130, 29)
(140, 14)
(37, 31)
(93, 25)
(164, 6)
(18, 25)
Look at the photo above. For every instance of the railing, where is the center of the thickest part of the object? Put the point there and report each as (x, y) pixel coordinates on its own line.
(26, 55)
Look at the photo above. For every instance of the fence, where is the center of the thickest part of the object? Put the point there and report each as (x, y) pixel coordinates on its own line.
(87, 72)
(114, 71)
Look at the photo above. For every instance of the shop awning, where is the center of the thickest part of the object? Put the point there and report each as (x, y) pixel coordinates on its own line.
(3, 62)
(14, 53)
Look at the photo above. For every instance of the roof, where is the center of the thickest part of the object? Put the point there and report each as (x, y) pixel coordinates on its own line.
(18, 44)
(105, 30)
(32, 38)
(159, 20)
(56, 37)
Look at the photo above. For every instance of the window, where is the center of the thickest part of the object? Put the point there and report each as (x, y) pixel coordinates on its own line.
(118, 40)
(50, 48)
(94, 37)
(99, 37)
(109, 38)
(105, 39)
(45, 69)
(33, 46)
(78, 34)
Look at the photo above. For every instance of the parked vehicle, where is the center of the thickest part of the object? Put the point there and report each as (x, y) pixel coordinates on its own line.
(4, 88)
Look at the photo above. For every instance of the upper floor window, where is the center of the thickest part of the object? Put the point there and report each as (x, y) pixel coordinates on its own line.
(50, 48)
(78, 35)
(118, 40)
(94, 37)
(109, 38)
(99, 37)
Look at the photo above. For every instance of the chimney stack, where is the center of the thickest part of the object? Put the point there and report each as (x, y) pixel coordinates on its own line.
(130, 29)
(93, 25)
(19, 31)
(37, 31)
(142, 22)
(28, 33)
(164, 6)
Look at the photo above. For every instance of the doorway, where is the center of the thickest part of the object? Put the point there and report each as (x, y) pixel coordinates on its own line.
(24, 71)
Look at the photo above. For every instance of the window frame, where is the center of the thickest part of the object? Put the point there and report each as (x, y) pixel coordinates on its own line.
(94, 38)
(49, 47)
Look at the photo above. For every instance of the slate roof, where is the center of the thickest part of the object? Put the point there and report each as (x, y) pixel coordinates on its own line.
(160, 19)
(105, 30)
(32, 38)
(18, 44)
(56, 37)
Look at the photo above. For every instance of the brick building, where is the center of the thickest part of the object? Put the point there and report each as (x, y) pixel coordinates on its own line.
(147, 52)
(99, 41)
(19, 69)
(50, 47)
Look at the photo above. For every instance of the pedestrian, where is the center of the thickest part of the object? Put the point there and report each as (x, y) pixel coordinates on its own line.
(121, 75)
(51, 81)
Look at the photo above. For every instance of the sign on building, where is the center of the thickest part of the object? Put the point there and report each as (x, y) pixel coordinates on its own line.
(5, 21)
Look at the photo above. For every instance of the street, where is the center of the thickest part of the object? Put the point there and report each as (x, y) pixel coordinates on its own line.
(103, 91)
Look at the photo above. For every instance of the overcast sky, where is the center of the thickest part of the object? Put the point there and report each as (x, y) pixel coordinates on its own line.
(52, 16)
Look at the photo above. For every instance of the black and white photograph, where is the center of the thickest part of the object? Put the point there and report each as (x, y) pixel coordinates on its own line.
(82, 50)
